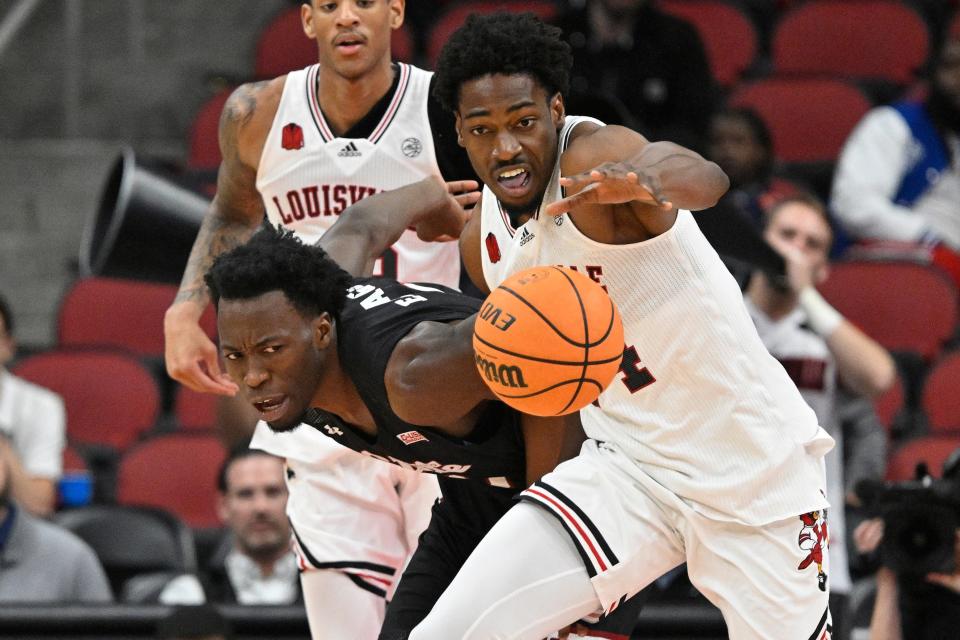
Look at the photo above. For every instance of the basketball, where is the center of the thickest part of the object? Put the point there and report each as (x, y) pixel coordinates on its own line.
(548, 341)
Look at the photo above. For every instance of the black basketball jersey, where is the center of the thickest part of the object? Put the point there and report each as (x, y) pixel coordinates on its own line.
(378, 313)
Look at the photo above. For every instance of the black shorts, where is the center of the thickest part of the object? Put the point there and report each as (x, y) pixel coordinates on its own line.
(458, 522)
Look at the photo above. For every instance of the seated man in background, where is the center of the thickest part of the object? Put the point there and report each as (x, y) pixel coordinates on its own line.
(819, 350)
(898, 175)
(41, 562)
(32, 431)
(255, 563)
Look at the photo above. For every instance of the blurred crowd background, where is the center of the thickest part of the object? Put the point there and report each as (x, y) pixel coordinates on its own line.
(783, 94)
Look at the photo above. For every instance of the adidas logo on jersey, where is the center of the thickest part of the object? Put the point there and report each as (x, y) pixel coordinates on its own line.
(526, 237)
(349, 151)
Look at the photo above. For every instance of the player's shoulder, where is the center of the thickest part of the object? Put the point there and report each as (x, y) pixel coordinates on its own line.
(253, 104)
(591, 144)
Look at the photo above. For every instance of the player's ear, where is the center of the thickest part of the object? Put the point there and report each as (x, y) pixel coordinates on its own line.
(558, 110)
(458, 125)
(322, 330)
(397, 10)
(306, 19)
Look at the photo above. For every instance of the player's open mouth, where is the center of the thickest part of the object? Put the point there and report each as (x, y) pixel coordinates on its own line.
(348, 45)
(514, 181)
(271, 408)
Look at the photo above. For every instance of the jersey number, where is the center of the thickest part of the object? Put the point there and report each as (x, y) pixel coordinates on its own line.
(635, 376)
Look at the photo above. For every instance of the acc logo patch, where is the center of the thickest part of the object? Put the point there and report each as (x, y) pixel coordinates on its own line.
(411, 147)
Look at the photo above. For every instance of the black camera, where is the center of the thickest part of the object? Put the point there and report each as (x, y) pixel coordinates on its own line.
(920, 521)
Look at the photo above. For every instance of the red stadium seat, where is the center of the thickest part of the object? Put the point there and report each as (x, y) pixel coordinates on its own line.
(808, 118)
(728, 35)
(176, 472)
(110, 397)
(904, 306)
(107, 312)
(454, 17)
(204, 151)
(866, 39)
(194, 410)
(934, 450)
(889, 405)
(283, 47)
(941, 394)
(73, 461)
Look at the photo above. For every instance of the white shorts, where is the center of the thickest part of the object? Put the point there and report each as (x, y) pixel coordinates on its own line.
(770, 581)
(350, 513)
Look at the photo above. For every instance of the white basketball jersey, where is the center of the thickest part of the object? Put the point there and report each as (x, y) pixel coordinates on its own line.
(699, 403)
(308, 176)
(809, 363)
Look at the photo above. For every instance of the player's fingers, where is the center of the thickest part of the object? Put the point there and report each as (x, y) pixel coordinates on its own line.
(467, 200)
(585, 195)
(460, 186)
(579, 180)
(195, 377)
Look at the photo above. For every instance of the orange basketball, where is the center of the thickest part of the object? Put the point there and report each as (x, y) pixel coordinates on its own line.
(548, 341)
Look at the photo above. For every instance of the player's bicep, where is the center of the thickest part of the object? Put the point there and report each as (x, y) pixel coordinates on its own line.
(470, 249)
(431, 377)
(237, 199)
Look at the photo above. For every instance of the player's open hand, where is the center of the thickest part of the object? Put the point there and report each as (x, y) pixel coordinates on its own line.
(609, 183)
(445, 219)
(190, 356)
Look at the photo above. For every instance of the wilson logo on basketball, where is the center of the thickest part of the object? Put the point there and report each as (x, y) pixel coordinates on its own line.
(505, 375)
(492, 314)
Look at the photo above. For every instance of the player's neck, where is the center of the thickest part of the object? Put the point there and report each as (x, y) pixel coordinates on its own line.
(345, 101)
(337, 394)
(773, 302)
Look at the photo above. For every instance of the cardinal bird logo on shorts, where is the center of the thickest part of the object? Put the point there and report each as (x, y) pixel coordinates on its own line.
(814, 539)
(493, 249)
(292, 138)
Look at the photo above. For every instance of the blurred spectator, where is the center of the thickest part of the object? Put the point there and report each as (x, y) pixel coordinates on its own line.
(32, 430)
(898, 176)
(740, 143)
(199, 622)
(653, 62)
(255, 563)
(40, 562)
(819, 349)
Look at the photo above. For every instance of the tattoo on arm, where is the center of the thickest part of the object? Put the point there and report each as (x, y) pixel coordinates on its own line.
(236, 210)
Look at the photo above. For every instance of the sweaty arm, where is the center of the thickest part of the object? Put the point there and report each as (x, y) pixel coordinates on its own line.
(614, 170)
(235, 213)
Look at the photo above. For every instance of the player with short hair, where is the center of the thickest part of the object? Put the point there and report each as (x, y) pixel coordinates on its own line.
(300, 149)
(702, 450)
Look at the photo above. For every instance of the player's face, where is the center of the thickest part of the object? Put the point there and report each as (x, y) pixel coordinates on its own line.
(352, 36)
(274, 354)
(799, 225)
(736, 149)
(254, 506)
(508, 125)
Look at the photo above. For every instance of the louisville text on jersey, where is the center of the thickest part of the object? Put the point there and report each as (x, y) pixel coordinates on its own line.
(319, 200)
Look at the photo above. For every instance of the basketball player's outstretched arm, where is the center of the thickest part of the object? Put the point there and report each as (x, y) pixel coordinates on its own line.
(617, 166)
(365, 229)
(233, 216)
